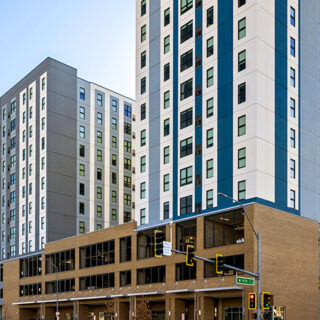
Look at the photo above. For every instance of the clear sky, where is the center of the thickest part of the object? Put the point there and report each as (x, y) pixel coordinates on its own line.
(95, 36)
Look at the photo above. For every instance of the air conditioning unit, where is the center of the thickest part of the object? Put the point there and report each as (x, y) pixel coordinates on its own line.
(133, 170)
(133, 118)
(134, 152)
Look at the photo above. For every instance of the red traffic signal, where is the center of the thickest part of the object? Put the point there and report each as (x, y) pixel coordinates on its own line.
(254, 316)
(252, 301)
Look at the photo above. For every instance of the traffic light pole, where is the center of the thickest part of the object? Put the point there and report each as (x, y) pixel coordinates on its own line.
(258, 236)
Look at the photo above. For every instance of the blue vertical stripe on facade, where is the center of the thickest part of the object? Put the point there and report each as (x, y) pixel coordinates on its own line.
(175, 98)
(281, 103)
(225, 100)
(198, 105)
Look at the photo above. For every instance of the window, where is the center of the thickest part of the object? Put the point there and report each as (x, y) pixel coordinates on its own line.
(30, 226)
(125, 249)
(99, 118)
(292, 169)
(82, 132)
(185, 205)
(24, 117)
(143, 111)
(166, 127)
(186, 5)
(166, 17)
(114, 142)
(166, 72)
(209, 168)
(166, 155)
(143, 138)
(143, 59)
(127, 111)
(43, 143)
(151, 275)
(82, 114)
(241, 28)
(143, 33)
(81, 227)
(114, 124)
(142, 190)
(99, 211)
(241, 93)
(99, 192)
(99, 174)
(186, 89)
(114, 160)
(127, 199)
(127, 181)
(292, 77)
(143, 216)
(30, 131)
(81, 189)
(114, 177)
(166, 182)
(30, 207)
(185, 176)
(23, 102)
(143, 85)
(210, 17)
(185, 147)
(292, 107)
(42, 183)
(210, 47)
(82, 94)
(43, 103)
(13, 125)
(166, 210)
(99, 155)
(186, 31)
(186, 60)
(13, 106)
(292, 203)
(166, 44)
(143, 164)
(292, 46)
(143, 7)
(241, 3)
(99, 136)
(127, 146)
(114, 196)
(186, 118)
(241, 126)
(23, 192)
(99, 99)
(43, 123)
(209, 138)
(114, 104)
(127, 164)
(82, 170)
(209, 107)
(241, 60)
(242, 190)
(43, 162)
(42, 202)
(241, 158)
(209, 77)
(183, 272)
(292, 16)
(81, 208)
(13, 143)
(166, 100)
(292, 138)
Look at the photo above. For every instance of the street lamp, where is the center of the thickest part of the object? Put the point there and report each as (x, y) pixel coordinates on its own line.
(57, 287)
(258, 253)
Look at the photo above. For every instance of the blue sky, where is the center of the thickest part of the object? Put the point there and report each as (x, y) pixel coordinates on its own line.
(95, 36)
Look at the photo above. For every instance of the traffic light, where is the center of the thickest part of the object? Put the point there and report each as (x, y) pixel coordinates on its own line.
(252, 301)
(158, 241)
(219, 263)
(254, 316)
(190, 255)
(266, 300)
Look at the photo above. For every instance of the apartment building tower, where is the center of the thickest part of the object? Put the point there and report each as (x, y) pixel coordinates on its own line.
(66, 158)
(227, 101)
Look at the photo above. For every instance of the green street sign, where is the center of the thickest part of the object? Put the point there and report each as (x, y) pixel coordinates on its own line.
(245, 281)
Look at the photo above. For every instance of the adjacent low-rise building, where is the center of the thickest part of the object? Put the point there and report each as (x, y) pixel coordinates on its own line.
(106, 274)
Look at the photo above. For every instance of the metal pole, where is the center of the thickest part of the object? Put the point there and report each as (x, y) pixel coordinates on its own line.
(57, 290)
(259, 277)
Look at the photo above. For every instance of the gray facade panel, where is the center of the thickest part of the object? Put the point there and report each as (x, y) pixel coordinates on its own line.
(310, 108)
(154, 112)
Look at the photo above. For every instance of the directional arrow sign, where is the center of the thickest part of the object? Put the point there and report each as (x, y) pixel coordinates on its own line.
(167, 248)
(245, 281)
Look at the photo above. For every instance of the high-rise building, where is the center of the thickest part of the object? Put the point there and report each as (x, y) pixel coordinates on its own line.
(227, 101)
(66, 158)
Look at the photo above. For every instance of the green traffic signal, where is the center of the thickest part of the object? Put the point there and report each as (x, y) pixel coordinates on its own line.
(190, 255)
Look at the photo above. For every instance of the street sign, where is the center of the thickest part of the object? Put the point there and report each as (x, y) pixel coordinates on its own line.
(167, 248)
(245, 281)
